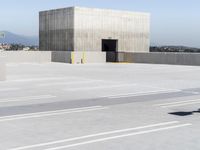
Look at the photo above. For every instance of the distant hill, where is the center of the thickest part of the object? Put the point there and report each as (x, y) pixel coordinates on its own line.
(174, 49)
(11, 38)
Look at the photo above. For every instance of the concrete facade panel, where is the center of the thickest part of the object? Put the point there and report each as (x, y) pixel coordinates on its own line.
(56, 30)
(129, 28)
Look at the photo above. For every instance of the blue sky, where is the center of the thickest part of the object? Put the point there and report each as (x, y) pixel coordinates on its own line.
(173, 22)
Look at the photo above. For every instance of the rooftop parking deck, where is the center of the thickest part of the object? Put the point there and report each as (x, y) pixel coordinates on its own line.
(54, 106)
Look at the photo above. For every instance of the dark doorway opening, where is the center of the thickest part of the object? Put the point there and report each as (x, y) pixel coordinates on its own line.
(110, 47)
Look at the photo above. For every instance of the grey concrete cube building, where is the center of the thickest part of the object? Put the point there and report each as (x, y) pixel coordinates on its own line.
(94, 30)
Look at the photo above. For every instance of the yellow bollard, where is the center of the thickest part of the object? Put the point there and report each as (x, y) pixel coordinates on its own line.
(72, 57)
(83, 58)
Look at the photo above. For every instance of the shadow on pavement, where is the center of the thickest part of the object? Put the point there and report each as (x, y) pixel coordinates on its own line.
(182, 113)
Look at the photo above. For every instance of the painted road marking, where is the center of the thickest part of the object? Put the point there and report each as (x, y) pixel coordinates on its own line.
(179, 103)
(155, 87)
(95, 135)
(19, 99)
(118, 86)
(12, 65)
(191, 92)
(42, 79)
(8, 89)
(183, 104)
(141, 93)
(119, 136)
(51, 113)
(70, 83)
(98, 87)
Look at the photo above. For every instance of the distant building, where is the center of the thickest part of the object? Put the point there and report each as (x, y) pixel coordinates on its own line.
(77, 29)
(26, 48)
(5, 46)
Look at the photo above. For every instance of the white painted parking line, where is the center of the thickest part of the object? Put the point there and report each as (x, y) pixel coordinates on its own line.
(8, 89)
(95, 135)
(141, 93)
(33, 64)
(51, 113)
(99, 87)
(179, 103)
(43, 79)
(12, 65)
(191, 92)
(37, 79)
(183, 104)
(156, 87)
(69, 82)
(118, 86)
(27, 98)
(118, 137)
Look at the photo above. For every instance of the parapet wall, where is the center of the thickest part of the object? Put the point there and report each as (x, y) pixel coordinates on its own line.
(53, 56)
(2, 69)
(97, 57)
(26, 56)
(78, 57)
(163, 58)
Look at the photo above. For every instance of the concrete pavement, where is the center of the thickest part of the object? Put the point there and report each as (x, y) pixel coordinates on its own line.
(100, 106)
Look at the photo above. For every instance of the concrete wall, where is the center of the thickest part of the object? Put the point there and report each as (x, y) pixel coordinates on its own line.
(61, 56)
(53, 56)
(163, 58)
(82, 29)
(56, 30)
(2, 69)
(129, 28)
(78, 57)
(26, 56)
(94, 57)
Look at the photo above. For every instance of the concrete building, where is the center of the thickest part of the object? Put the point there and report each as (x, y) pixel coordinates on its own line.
(78, 30)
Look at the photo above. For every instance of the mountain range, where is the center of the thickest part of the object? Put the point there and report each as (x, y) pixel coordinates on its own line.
(12, 38)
